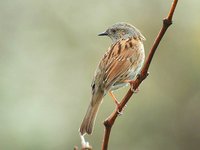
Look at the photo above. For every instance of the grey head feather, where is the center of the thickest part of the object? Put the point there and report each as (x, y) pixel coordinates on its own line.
(123, 30)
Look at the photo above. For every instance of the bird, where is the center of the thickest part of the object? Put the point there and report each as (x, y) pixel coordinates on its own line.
(118, 67)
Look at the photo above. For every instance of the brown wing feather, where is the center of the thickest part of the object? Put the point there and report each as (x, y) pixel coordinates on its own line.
(117, 60)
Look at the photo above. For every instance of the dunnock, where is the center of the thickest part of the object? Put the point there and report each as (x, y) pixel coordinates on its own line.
(120, 64)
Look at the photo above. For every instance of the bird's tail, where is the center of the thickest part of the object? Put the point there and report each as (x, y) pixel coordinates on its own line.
(89, 119)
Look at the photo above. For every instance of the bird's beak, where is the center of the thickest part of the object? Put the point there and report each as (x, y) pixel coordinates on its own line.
(103, 34)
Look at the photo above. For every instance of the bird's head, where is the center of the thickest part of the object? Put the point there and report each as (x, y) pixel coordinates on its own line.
(122, 30)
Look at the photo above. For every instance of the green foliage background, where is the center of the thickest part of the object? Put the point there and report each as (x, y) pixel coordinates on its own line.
(48, 53)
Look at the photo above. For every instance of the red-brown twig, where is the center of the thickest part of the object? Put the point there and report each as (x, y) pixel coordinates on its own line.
(108, 123)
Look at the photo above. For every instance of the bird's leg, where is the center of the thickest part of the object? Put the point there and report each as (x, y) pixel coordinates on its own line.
(114, 98)
(116, 102)
(131, 82)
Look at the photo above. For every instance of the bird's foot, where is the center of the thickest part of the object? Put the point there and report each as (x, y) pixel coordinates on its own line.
(120, 112)
(132, 85)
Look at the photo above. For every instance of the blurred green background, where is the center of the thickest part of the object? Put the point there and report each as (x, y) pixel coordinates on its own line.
(48, 53)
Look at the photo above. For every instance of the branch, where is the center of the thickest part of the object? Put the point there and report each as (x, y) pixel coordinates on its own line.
(108, 123)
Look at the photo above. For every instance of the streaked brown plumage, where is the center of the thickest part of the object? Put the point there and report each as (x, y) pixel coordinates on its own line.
(122, 62)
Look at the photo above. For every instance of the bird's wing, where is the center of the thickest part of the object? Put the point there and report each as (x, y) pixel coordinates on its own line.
(116, 62)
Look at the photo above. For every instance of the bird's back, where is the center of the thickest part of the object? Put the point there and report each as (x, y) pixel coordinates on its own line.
(122, 61)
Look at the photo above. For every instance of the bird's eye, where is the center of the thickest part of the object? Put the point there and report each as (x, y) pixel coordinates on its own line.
(113, 31)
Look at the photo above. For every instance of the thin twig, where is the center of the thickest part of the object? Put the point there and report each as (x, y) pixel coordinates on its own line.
(108, 123)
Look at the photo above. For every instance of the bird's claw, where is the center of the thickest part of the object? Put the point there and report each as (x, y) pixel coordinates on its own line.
(121, 112)
(132, 84)
(138, 75)
(135, 90)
